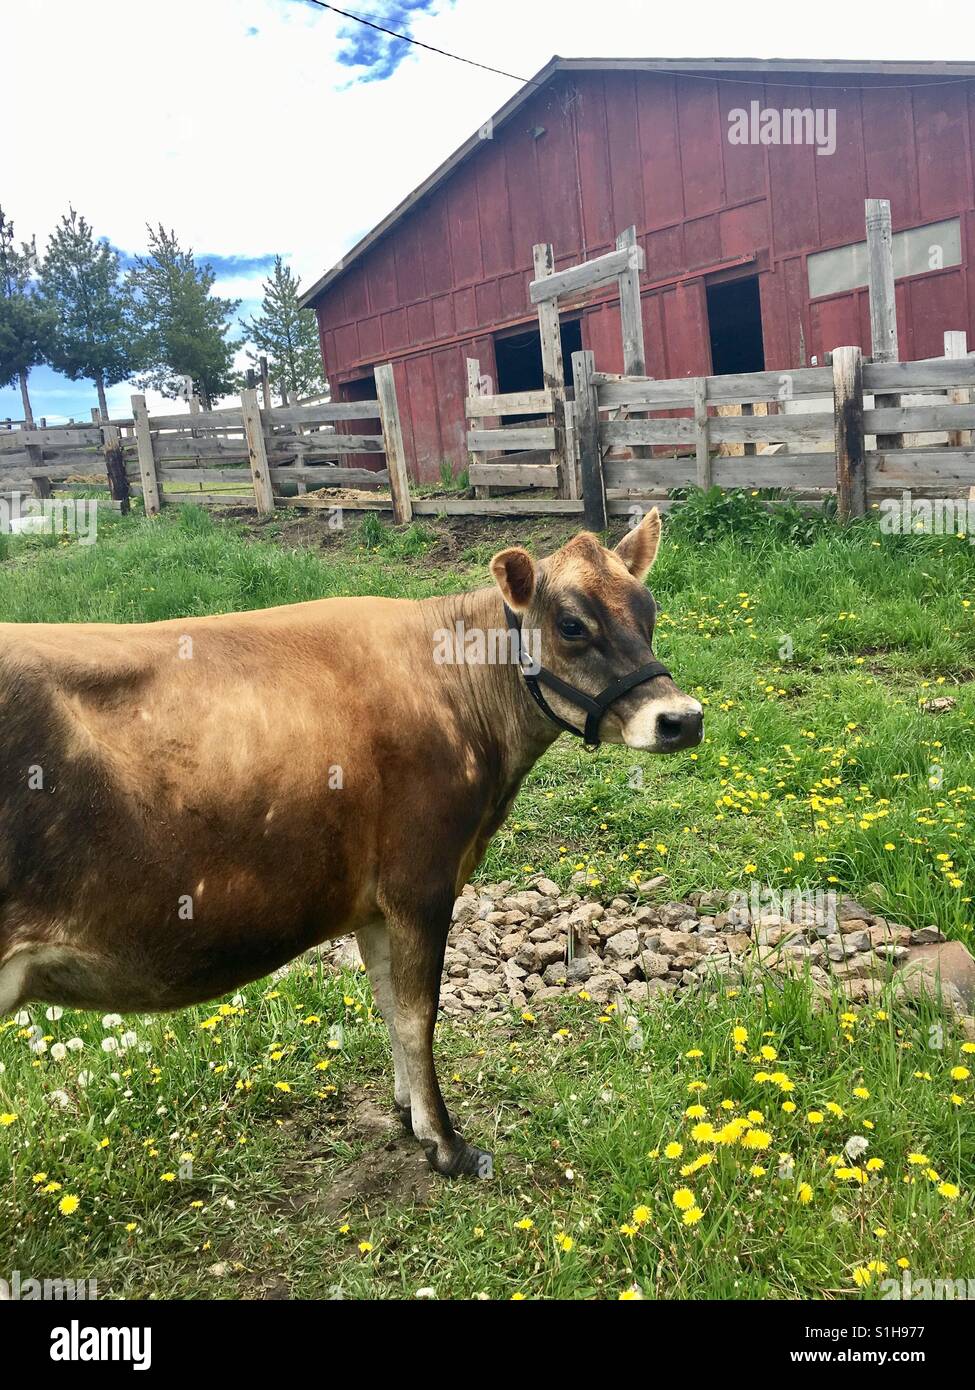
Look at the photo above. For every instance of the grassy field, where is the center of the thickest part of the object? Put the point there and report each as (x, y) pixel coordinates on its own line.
(232, 1152)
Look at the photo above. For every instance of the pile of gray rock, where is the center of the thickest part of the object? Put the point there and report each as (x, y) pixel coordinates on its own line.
(523, 945)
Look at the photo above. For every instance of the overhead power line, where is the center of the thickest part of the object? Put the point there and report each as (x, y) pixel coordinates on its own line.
(758, 79)
(393, 33)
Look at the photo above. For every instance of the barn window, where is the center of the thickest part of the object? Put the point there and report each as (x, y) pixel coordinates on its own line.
(916, 251)
(518, 357)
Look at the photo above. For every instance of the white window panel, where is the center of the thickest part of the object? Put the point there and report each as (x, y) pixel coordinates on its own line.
(915, 250)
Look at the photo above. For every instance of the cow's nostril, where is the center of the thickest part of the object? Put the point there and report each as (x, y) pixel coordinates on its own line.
(669, 726)
(676, 731)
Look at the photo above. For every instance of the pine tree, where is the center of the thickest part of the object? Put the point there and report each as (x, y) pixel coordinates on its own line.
(288, 336)
(80, 278)
(181, 328)
(26, 322)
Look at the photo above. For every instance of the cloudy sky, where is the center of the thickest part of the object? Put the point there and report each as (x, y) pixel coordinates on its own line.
(260, 126)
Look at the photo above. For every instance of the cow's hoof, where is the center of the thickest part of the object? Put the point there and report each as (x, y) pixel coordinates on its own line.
(464, 1161)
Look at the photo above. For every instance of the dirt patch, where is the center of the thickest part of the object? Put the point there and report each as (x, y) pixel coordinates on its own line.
(391, 1169)
(451, 537)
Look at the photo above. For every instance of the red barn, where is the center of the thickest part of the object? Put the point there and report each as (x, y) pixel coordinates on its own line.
(746, 182)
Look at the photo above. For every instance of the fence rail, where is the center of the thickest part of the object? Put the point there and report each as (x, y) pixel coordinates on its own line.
(522, 454)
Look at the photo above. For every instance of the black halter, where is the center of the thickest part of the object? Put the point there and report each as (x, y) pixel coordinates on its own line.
(595, 706)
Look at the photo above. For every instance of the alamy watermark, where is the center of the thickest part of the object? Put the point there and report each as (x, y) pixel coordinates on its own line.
(49, 516)
(927, 1290)
(494, 646)
(929, 516)
(20, 1288)
(797, 906)
(768, 125)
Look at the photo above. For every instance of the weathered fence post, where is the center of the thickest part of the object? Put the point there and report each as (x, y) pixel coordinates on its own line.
(851, 477)
(702, 434)
(631, 316)
(474, 389)
(147, 458)
(553, 369)
(118, 478)
(587, 441)
(883, 301)
(35, 462)
(399, 478)
(257, 453)
(956, 345)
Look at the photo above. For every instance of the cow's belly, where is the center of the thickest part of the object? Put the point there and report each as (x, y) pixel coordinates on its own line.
(145, 970)
(136, 934)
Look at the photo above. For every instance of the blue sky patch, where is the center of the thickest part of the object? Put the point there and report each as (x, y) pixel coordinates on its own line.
(379, 55)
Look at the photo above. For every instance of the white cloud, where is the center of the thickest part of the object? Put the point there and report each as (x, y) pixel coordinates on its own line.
(249, 145)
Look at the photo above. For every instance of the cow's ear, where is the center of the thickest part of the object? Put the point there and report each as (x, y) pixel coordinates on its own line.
(514, 574)
(638, 548)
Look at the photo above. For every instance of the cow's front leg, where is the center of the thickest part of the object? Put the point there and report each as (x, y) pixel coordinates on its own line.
(374, 946)
(417, 941)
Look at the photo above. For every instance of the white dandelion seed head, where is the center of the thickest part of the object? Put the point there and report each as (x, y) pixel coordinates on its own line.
(855, 1146)
(54, 1013)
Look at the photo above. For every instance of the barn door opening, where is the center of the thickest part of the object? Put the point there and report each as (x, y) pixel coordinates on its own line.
(735, 326)
(518, 357)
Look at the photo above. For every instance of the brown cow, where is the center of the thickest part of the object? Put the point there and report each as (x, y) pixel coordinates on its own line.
(191, 804)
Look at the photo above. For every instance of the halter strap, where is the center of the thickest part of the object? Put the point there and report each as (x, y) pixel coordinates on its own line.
(594, 705)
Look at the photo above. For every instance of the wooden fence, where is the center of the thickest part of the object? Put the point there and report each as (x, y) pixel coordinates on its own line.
(852, 428)
(258, 449)
(832, 446)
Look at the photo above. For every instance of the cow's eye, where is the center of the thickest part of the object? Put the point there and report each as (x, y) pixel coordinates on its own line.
(571, 628)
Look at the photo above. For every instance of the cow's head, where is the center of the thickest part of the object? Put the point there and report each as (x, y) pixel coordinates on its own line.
(595, 617)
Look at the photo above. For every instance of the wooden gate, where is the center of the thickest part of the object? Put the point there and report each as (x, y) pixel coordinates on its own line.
(527, 453)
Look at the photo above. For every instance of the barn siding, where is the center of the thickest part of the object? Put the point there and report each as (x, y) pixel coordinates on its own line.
(651, 149)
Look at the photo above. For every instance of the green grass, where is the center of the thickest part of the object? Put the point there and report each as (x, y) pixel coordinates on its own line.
(812, 765)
